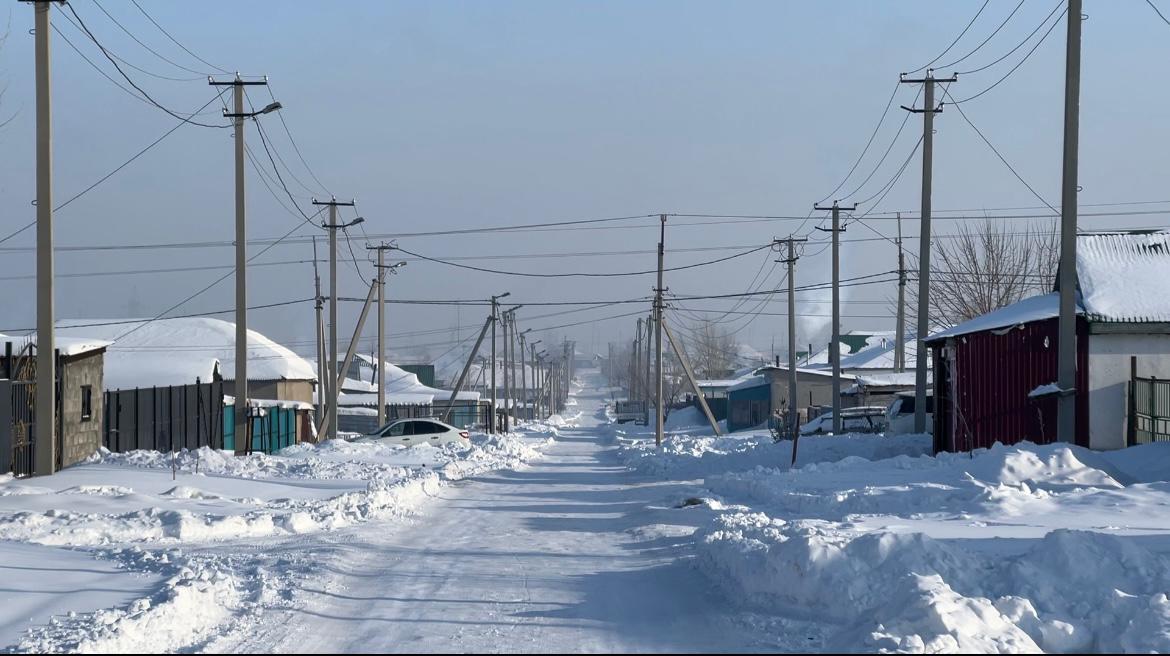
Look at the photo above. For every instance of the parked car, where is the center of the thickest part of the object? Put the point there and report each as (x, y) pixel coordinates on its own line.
(410, 432)
(900, 414)
(865, 419)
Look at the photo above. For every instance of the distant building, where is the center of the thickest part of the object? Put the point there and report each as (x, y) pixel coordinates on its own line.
(753, 400)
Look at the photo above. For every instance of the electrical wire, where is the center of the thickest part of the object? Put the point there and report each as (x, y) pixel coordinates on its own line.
(886, 154)
(579, 273)
(149, 49)
(1018, 64)
(296, 148)
(130, 80)
(989, 38)
(175, 41)
(876, 128)
(1019, 45)
(956, 41)
(110, 174)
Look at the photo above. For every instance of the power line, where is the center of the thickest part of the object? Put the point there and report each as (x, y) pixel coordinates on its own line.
(296, 148)
(148, 48)
(582, 274)
(123, 322)
(989, 38)
(175, 41)
(129, 272)
(130, 80)
(876, 128)
(1018, 45)
(111, 173)
(956, 41)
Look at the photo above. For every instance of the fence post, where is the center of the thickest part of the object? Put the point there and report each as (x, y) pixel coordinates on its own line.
(1131, 404)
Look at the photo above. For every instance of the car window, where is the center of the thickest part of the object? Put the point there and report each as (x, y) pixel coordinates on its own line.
(398, 430)
(428, 427)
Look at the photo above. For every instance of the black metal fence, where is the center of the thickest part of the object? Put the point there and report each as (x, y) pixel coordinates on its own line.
(164, 418)
(24, 427)
(1149, 410)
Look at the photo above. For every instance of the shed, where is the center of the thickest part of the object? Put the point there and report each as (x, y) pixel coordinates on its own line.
(995, 375)
(753, 401)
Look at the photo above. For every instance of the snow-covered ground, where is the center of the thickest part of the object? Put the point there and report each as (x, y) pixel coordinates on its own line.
(883, 547)
(145, 551)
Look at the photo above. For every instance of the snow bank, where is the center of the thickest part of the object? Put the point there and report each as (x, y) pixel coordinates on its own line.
(1021, 549)
(689, 457)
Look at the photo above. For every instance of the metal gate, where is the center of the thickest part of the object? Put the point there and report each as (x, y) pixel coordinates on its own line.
(24, 427)
(1149, 410)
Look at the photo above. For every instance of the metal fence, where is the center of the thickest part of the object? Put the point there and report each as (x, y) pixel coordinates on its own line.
(24, 427)
(1149, 410)
(164, 418)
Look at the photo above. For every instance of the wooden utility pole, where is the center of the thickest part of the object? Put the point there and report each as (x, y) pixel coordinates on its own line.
(929, 109)
(1066, 377)
(900, 328)
(658, 401)
(835, 345)
(793, 415)
(466, 368)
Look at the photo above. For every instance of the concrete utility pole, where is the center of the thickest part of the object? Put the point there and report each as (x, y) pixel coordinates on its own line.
(240, 388)
(495, 319)
(388, 268)
(690, 374)
(524, 378)
(46, 374)
(793, 416)
(334, 384)
(466, 368)
(658, 417)
(835, 345)
(1066, 376)
(319, 304)
(635, 362)
(535, 380)
(646, 380)
(921, 360)
(900, 329)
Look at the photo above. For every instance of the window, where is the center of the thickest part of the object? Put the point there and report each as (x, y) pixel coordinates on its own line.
(86, 402)
(427, 428)
(398, 430)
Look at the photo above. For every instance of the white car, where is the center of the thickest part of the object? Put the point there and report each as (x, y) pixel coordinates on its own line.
(866, 419)
(900, 414)
(410, 432)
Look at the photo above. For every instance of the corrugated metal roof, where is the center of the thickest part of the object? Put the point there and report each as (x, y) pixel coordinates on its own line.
(1123, 276)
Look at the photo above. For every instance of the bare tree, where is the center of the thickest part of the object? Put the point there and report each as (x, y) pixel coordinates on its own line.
(710, 349)
(983, 267)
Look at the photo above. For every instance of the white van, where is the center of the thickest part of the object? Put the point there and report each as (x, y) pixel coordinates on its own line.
(900, 414)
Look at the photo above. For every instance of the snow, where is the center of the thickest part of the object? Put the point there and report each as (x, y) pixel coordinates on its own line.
(576, 534)
(177, 351)
(1021, 549)
(142, 553)
(1035, 308)
(1122, 275)
(66, 345)
(1044, 390)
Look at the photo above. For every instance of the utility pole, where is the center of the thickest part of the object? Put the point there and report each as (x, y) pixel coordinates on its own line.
(466, 368)
(524, 378)
(922, 359)
(835, 345)
(46, 373)
(241, 385)
(646, 380)
(658, 418)
(319, 304)
(1066, 377)
(900, 329)
(535, 380)
(334, 384)
(635, 362)
(391, 268)
(495, 320)
(793, 418)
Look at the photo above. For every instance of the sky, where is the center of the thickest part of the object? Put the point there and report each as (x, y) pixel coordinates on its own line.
(440, 116)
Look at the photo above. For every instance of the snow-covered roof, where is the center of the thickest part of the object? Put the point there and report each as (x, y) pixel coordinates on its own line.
(177, 351)
(1035, 308)
(68, 346)
(748, 383)
(720, 382)
(827, 373)
(400, 381)
(392, 398)
(1122, 276)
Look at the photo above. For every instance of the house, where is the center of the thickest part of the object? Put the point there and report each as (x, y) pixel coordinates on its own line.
(80, 412)
(406, 396)
(995, 375)
(880, 388)
(867, 352)
(754, 399)
(170, 384)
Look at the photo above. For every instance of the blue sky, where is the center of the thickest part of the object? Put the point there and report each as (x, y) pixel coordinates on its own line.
(438, 115)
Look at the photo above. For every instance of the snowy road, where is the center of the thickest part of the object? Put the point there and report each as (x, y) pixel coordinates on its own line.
(574, 553)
